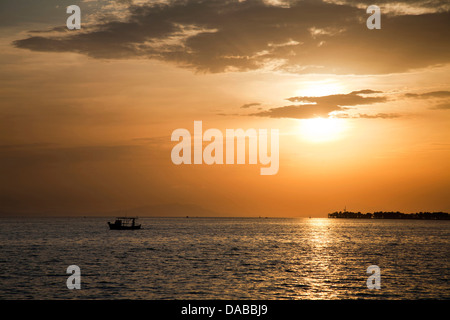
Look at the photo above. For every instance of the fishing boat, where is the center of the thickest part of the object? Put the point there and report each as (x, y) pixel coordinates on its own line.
(124, 223)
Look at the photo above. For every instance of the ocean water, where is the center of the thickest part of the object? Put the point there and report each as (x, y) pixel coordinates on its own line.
(224, 258)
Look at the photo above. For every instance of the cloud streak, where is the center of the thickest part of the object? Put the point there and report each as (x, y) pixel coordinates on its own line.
(427, 95)
(312, 107)
(442, 96)
(374, 116)
(248, 105)
(442, 106)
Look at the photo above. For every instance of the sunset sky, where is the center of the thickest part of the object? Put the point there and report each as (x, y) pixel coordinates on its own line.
(86, 116)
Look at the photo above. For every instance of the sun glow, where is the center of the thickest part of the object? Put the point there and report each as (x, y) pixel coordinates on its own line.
(322, 129)
(320, 88)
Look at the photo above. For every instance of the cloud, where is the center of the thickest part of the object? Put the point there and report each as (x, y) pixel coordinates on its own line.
(321, 106)
(400, 7)
(366, 91)
(442, 106)
(217, 36)
(427, 95)
(51, 30)
(443, 97)
(343, 115)
(378, 116)
(297, 112)
(25, 146)
(350, 99)
(338, 105)
(248, 105)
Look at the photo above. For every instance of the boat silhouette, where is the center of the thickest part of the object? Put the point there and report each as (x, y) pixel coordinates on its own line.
(124, 223)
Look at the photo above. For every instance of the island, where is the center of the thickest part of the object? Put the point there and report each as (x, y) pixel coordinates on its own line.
(390, 215)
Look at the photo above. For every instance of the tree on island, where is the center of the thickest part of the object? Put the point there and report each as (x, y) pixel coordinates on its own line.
(390, 215)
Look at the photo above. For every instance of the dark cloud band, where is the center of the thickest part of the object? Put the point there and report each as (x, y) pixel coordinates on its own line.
(303, 37)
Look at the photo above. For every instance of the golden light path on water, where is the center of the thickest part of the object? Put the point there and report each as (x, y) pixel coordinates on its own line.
(319, 258)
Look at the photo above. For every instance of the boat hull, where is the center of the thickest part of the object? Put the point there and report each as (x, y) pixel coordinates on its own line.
(113, 226)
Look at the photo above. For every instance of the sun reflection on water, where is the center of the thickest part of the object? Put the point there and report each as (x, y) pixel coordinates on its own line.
(319, 259)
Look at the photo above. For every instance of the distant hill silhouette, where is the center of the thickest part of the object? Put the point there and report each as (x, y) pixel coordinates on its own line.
(390, 215)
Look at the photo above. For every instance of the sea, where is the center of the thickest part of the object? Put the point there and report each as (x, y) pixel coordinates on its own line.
(224, 258)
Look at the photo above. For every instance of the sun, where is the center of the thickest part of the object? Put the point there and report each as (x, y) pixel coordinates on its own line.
(322, 129)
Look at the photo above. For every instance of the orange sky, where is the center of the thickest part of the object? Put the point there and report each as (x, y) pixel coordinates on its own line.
(86, 118)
